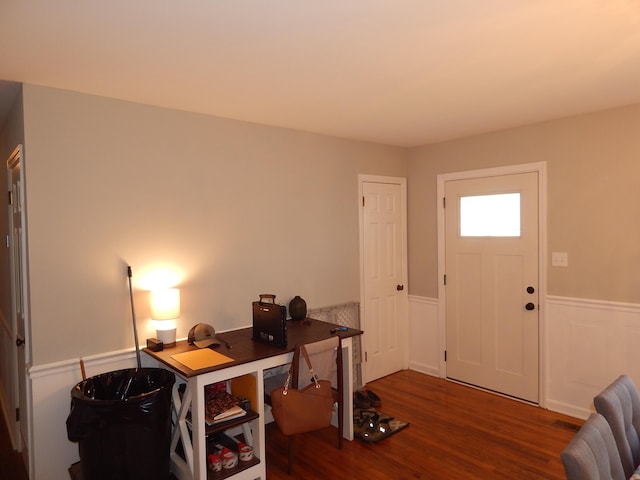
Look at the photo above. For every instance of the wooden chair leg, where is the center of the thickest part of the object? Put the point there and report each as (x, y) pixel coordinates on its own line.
(339, 362)
(290, 460)
(340, 424)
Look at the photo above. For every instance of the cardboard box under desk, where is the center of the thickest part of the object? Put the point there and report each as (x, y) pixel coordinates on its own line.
(245, 386)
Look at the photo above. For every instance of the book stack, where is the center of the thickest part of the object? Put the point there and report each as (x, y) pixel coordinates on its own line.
(221, 406)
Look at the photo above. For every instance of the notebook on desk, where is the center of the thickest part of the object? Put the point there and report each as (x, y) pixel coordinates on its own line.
(201, 358)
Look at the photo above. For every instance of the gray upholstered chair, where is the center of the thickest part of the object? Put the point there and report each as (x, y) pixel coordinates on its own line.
(619, 404)
(592, 453)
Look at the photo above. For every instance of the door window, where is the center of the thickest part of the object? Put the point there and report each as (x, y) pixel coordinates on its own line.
(495, 215)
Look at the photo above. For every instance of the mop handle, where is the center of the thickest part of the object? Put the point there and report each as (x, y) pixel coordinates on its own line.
(133, 316)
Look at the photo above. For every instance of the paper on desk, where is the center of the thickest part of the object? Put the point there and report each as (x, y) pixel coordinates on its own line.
(202, 358)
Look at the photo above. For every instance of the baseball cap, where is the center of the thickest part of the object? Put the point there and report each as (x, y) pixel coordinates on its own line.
(202, 335)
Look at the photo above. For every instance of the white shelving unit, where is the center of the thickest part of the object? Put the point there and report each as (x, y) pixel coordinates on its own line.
(190, 432)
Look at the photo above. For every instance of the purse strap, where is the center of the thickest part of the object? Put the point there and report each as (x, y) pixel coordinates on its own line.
(314, 377)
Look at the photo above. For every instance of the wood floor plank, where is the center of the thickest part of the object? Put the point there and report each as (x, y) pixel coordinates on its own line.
(11, 466)
(455, 432)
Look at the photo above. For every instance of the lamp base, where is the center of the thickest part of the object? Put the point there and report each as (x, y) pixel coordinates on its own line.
(167, 337)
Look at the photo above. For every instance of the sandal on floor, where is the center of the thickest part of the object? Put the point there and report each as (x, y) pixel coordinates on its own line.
(362, 418)
(374, 431)
(374, 399)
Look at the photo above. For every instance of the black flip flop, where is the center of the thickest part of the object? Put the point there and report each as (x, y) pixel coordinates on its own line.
(361, 400)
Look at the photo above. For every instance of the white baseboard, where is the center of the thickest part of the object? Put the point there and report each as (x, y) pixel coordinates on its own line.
(566, 409)
(423, 368)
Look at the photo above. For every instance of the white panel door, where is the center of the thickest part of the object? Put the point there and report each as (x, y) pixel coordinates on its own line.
(19, 295)
(492, 283)
(385, 299)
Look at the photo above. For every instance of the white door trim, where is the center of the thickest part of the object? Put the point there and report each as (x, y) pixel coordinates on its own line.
(402, 182)
(541, 169)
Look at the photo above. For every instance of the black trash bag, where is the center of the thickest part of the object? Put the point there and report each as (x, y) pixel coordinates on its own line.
(122, 423)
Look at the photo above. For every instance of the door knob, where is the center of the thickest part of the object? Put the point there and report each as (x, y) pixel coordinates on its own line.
(20, 341)
(399, 287)
(530, 306)
(531, 290)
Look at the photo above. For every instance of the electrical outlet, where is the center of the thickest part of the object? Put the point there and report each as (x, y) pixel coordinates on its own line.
(559, 259)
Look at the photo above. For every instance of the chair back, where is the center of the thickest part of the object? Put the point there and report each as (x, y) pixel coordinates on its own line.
(619, 404)
(592, 453)
(323, 356)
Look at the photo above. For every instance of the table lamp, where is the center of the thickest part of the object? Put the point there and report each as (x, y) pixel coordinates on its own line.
(165, 308)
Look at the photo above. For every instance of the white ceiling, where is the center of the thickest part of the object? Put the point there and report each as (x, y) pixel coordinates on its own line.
(397, 72)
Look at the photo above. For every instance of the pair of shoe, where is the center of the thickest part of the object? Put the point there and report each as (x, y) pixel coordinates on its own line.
(371, 425)
(366, 398)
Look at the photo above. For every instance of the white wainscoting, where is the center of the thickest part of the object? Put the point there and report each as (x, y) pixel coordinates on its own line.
(51, 452)
(424, 341)
(589, 343)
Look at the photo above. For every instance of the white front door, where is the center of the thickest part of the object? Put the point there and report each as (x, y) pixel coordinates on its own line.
(384, 304)
(491, 265)
(18, 266)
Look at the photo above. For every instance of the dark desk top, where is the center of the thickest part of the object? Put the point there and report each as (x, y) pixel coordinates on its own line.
(244, 349)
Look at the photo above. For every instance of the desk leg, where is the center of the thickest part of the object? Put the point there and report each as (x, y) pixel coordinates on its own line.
(198, 426)
(181, 467)
(195, 466)
(347, 398)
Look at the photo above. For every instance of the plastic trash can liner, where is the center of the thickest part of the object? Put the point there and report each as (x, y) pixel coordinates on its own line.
(122, 423)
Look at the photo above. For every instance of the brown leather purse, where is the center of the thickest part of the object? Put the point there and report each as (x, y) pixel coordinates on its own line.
(304, 410)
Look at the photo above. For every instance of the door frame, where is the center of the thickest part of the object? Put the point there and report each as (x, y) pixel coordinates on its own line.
(402, 182)
(23, 445)
(541, 169)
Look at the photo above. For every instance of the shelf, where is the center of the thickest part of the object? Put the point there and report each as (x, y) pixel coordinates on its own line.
(231, 443)
(234, 422)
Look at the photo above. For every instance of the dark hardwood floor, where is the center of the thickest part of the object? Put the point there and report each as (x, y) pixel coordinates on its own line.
(455, 432)
(11, 466)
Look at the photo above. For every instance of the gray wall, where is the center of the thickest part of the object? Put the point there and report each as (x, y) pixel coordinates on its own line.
(237, 209)
(593, 167)
(231, 209)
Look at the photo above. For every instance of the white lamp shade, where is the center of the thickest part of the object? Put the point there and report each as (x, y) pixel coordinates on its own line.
(165, 304)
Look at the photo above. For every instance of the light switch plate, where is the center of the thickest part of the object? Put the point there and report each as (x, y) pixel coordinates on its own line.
(559, 259)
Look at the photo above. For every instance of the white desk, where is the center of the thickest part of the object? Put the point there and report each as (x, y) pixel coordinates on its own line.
(252, 358)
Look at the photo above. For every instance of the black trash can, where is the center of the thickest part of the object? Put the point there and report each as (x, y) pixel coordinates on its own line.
(122, 423)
